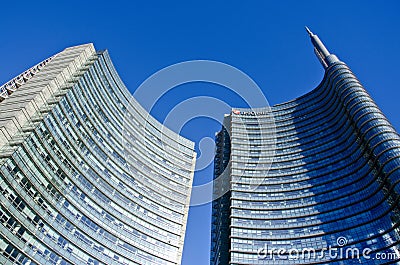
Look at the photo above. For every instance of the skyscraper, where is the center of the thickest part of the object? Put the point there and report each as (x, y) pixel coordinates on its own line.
(314, 174)
(87, 176)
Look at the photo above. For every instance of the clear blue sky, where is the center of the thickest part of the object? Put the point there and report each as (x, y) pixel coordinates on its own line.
(265, 39)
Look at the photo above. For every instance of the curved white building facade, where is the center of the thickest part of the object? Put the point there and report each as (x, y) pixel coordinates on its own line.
(87, 176)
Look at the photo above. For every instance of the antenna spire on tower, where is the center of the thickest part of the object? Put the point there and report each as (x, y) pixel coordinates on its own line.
(321, 51)
(309, 31)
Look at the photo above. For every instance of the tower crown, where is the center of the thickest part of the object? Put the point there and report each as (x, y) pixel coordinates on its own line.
(324, 56)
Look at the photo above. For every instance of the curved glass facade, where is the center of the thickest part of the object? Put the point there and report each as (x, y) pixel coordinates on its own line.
(332, 185)
(74, 189)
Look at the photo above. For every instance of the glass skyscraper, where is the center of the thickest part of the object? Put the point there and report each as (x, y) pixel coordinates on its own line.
(87, 176)
(314, 174)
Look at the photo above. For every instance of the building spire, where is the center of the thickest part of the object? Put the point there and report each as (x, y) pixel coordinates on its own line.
(324, 56)
(309, 31)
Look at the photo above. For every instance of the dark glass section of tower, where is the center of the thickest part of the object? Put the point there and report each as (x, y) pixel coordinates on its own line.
(333, 182)
(220, 232)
